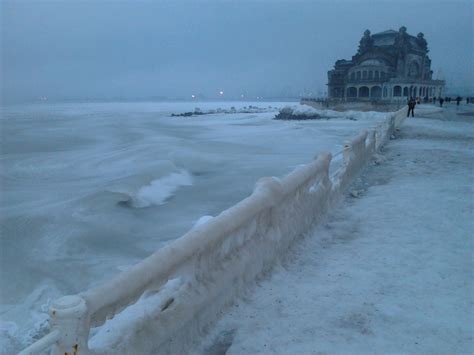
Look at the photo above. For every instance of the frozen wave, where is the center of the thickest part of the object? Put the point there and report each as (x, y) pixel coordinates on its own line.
(155, 192)
(159, 190)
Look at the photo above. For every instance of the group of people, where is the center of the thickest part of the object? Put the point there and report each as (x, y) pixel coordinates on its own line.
(412, 102)
(449, 99)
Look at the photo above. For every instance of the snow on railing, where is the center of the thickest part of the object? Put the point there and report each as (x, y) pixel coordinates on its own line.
(164, 303)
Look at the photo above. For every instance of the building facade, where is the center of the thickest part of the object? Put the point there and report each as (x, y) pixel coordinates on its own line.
(389, 66)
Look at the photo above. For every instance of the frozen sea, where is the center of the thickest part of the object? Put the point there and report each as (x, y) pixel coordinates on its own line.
(88, 189)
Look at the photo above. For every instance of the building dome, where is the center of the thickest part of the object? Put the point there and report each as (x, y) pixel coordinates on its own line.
(389, 65)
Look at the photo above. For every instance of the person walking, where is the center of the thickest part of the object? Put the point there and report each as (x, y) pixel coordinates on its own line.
(441, 100)
(458, 100)
(411, 107)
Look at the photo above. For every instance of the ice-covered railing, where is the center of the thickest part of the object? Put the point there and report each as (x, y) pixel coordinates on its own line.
(164, 303)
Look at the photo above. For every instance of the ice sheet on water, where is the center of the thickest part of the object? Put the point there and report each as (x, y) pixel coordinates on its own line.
(66, 168)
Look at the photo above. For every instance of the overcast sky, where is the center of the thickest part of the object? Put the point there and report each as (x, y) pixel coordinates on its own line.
(138, 49)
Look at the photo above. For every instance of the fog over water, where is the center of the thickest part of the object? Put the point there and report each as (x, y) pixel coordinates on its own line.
(174, 49)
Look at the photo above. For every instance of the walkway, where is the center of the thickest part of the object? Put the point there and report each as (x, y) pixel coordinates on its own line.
(390, 271)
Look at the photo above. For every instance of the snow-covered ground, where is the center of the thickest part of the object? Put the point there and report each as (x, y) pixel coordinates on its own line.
(90, 189)
(391, 270)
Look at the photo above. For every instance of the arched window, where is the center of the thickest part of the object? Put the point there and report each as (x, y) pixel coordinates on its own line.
(382, 75)
(371, 74)
(352, 92)
(415, 92)
(364, 74)
(376, 92)
(414, 70)
(405, 91)
(353, 76)
(376, 75)
(358, 75)
(397, 91)
(363, 91)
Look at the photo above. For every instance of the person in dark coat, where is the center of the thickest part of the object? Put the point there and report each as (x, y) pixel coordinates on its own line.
(458, 100)
(411, 107)
(441, 100)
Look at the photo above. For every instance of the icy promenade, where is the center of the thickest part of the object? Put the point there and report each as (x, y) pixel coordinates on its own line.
(390, 270)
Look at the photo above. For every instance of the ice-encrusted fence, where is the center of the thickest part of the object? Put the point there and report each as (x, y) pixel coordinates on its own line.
(164, 303)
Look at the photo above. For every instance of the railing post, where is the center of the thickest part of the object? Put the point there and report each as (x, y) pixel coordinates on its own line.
(346, 152)
(372, 141)
(378, 138)
(69, 315)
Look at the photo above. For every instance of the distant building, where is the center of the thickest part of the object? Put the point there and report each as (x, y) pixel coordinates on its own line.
(389, 66)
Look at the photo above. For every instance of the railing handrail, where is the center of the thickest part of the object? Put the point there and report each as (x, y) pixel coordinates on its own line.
(42, 344)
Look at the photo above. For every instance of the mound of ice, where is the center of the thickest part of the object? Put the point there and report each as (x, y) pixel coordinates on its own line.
(250, 109)
(304, 112)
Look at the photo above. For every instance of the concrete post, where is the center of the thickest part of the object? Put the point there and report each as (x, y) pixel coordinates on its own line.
(372, 142)
(69, 315)
(346, 153)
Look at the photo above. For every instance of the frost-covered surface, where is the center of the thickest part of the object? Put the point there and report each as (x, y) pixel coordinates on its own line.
(73, 176)
(390, 271)
(129, 325)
